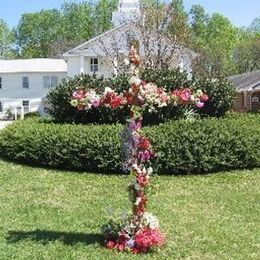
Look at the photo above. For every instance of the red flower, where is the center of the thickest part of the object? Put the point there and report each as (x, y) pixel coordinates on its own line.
(204, 97)
(116, 101)
(110, 244)
(147, 238)
(120, 247)
(142, 180)
(144, 143)
(81, 107)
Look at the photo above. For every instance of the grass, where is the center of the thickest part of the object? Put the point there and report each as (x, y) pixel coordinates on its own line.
(48, 214)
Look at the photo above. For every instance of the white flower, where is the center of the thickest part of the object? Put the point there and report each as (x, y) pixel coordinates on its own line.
(74, 102)
(126, 61)
(134, 80)
(150, 220)
(108, 90)
(150, 170)
(138, 200)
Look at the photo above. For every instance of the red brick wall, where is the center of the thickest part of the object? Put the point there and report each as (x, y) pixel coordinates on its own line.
(242, 102)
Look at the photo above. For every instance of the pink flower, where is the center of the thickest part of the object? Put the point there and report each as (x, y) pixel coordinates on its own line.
(96, 103)
(79, 94)
(199, 104)
(145, 155)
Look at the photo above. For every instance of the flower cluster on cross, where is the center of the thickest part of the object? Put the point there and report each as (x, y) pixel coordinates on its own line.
(140, 231)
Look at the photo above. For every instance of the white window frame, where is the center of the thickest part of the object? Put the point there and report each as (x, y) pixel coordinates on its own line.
(50, 81)
(94, 67)
(25, 79)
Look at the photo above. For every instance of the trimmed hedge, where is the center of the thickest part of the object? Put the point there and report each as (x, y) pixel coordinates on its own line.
(221, 97)
(182, 147)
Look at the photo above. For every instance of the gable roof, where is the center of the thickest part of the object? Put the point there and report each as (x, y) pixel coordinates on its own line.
(97, 38)
(246, 82)
(115, 39)
(33, 65)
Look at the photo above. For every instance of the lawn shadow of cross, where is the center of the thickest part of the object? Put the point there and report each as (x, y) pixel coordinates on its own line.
(46, 236)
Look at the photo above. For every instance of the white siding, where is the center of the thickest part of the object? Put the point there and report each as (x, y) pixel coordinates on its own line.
(12, 92)
(74, 66)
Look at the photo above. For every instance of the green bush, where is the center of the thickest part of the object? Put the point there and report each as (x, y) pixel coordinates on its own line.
(220, 91)
(32, 114)
(182, 147)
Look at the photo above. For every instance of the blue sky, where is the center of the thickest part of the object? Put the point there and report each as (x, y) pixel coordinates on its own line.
(240, 12)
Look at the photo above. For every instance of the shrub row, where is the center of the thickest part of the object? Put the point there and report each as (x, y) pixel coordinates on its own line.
(221, 97)
(182, 147)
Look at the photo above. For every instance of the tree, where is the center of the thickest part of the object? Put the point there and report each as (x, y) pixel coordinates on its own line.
(199, 20)
(36, 32)
(77, 21)
(103, 15)
(178, 24)
(247, 55)
(6, 41)
(219, 41)
(255, 25)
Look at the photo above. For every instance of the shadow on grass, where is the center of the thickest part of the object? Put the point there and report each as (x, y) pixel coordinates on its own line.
(46, 236)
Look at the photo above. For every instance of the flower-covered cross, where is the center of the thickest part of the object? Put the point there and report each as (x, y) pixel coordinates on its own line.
(140, 231)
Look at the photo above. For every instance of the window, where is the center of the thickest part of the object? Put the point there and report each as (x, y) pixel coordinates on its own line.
(25, 82)
(255, 99)
(0, 83)
(1, 107)
(26, 103)
(50, 81)
(94, 65)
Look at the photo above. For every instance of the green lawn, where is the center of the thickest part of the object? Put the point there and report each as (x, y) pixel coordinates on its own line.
(48, 214)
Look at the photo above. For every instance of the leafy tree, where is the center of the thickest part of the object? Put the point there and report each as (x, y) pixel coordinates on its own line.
(179, 22)
(247, 55)
(199, 20)
(255, 25)
(37, 31)
(217, 45)
(6, 41)
(103, 15)
(77, 21)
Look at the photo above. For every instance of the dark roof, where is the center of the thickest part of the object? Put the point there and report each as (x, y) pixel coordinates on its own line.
(247, 81)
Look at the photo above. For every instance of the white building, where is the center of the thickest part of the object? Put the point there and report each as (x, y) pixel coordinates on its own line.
(96, 55)
(23, 83)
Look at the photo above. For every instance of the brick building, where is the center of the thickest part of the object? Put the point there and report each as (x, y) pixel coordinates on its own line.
(248, 91)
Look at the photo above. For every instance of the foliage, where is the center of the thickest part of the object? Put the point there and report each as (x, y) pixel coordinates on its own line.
(32, 114)
(218, 42)
(220, 91)
(247, 55)
(37, 31)
(183, 146)
(70, 25)
(6, 41)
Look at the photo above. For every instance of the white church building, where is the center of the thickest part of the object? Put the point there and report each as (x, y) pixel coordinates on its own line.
(97, 56)
(24, 83)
